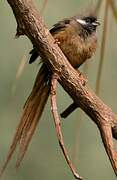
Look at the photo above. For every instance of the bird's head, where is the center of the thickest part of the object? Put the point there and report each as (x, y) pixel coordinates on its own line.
(87, 23)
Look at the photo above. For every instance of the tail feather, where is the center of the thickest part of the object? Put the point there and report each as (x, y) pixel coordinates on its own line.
(31, 127)
(32, 112)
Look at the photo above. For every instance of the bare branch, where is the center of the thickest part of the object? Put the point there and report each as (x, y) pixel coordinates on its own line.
(103, 46)
(98, 6)
(58, 124)
(69, 110)
(113, 8)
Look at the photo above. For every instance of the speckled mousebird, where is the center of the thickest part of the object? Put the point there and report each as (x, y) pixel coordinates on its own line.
(77, 37)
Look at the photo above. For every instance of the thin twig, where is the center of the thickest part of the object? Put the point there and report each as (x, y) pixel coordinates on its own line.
(114, 9)
(19, 72)
(103, 45)
(98, 6)
(58, 125)
(43, 6)
(69, 110)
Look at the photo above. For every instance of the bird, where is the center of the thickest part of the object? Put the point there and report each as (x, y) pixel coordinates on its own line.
(77, 38)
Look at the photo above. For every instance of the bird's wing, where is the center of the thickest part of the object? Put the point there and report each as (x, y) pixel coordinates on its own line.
(59, 26)
(55, 29)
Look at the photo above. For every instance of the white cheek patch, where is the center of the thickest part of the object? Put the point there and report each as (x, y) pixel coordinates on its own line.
(82, 22)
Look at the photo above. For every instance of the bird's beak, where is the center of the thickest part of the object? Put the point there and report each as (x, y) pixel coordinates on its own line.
(96, 23)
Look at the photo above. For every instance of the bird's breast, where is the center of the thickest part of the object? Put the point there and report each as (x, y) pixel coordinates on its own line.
(76, 49)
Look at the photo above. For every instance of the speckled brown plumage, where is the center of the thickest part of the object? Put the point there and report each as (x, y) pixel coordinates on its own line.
(77, 42)
(76, 48)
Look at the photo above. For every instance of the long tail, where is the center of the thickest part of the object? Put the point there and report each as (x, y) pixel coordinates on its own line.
(32, 112)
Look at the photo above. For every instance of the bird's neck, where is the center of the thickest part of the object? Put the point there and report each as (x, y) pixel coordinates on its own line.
(86, 32)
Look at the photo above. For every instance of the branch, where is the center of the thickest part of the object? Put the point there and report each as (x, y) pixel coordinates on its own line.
(69, 110)
(30, 23)
(58, 125)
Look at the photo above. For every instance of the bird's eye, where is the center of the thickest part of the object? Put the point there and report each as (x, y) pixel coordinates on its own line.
(88, 20)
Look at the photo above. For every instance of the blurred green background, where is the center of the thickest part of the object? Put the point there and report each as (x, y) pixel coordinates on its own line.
(44, 159)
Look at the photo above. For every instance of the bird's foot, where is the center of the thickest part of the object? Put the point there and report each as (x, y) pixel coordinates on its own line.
(83, 79)
(57, 41)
